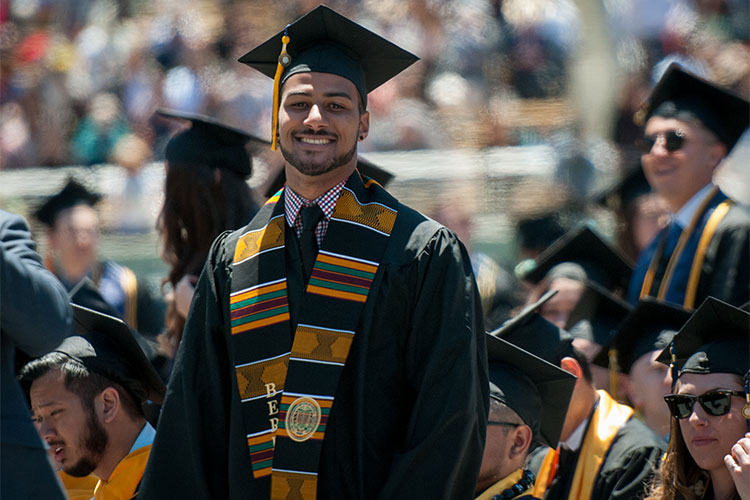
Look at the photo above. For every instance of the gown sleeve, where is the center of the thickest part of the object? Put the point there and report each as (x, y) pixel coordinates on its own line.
(189, 457)
(446, 366)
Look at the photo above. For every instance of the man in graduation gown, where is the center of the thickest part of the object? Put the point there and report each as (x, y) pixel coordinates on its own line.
(72, 256)
(87, 399)
(631, 358)
(604, 453)
(691, 125)
(528, 401)
(340, 359)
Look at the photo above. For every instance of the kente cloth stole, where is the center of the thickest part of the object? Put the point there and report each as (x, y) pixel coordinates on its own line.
(287, 389)
(605, 423)
(700, 226)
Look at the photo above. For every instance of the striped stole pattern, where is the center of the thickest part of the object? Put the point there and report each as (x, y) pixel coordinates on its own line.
(287, 388)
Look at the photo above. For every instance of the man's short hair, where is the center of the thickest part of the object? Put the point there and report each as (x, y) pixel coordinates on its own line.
(500, 412)
(84, 383)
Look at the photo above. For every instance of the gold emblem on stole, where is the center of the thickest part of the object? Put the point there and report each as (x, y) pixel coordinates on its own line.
(302, 419)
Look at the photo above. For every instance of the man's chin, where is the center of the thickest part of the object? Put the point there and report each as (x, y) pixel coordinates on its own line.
(82, 468)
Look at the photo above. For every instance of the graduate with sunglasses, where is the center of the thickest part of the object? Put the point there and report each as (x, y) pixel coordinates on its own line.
(708, 456)
(691, 125)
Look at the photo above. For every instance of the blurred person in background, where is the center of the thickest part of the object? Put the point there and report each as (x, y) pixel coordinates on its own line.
(73, 254)
(581, 255)
(35, 316)
(206, 193)
(131, 206)
(632, 352)
(691, 124)
(639, 212)
(98, 132)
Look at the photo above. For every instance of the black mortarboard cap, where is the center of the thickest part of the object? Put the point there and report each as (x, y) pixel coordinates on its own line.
(715, 339)
(623, 192)
(722, 111)
(74, 193)
(596, 314)
(602, 262)
(209, 142)
(650, 327)
(107, 346)
(324, 41)
(538, 391)
(530, 331)
(365, 167)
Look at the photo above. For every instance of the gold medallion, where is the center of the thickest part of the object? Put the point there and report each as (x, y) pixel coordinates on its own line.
(302, 419)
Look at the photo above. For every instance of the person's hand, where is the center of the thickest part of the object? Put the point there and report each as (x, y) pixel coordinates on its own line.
(738, 463)
(183, 294)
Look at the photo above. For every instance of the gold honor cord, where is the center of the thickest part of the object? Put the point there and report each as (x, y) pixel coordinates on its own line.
(681, 243)
(700, 254)
(284, 60)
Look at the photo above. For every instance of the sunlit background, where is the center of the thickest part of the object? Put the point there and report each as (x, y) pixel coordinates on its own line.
(517, 107)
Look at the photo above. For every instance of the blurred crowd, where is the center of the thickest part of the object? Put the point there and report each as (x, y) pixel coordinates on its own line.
(80, 79)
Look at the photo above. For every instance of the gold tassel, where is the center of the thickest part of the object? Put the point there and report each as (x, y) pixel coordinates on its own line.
(284, 60)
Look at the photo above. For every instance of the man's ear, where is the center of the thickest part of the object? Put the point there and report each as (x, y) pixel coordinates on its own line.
(364, 125)
(108, 404)
(522, 437)
(571, 365)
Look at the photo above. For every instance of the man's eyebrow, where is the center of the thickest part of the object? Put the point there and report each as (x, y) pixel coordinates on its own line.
(302, 93)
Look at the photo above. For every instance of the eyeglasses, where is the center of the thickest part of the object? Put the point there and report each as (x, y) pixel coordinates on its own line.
(507, 424)
(673, 140)
(716, 403)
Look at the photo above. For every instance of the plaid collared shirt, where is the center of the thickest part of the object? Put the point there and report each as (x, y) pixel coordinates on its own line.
(293, 203)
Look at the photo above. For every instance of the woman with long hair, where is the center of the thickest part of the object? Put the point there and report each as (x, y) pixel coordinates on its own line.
(708, 456)
(206, 193)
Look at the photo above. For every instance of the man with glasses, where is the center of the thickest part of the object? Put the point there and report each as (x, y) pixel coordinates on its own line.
(528, 401)
(73, 255)
(691, 125)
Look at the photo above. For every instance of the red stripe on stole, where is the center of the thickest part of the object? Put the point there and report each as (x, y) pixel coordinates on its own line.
(259, 307)
(341, 278)
(262, 455)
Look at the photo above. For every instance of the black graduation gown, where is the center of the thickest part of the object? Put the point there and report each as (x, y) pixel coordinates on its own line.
(411, 407)
(625, 473)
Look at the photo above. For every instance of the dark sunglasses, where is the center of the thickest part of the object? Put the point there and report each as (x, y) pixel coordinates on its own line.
(716, 403)
(673, 140)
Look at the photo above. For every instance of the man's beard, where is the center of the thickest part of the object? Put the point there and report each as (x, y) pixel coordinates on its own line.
(314, 168)
(93, 443)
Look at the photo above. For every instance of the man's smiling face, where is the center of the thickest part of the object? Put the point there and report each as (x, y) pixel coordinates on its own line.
(320, 122)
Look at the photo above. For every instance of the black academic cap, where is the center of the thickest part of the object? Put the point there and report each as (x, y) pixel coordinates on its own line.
(365, 167)
(539, 231)
(538, 391)
(74, 193)
(716, 339)
(209, 142)
(107, 346)
(325, 41)
(530, 331)
(722, 111)
(628, 188)
(601, 262)
(650, 327)
(596, 314)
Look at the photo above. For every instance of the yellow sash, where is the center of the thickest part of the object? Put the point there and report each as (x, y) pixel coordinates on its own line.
(125, 478)
(78, 488)
(503, 485)
(606, 421)
(700, 255)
